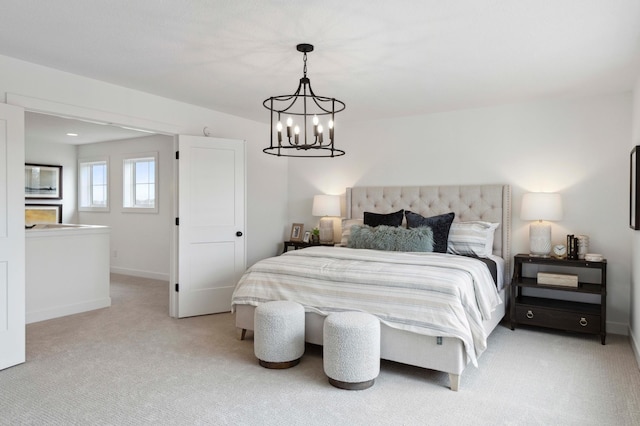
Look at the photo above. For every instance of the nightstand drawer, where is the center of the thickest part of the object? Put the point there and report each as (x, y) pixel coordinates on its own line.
(554, 318)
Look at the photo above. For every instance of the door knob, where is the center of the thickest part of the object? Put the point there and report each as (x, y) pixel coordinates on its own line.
(239, 234)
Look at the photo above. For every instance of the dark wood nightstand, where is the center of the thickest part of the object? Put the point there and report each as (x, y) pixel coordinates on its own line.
(300, 244)
(555, 313)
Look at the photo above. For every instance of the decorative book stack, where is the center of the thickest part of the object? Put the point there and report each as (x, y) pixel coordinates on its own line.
(565, 280)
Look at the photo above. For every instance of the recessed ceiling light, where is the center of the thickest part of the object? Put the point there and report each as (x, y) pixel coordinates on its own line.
(72, 134)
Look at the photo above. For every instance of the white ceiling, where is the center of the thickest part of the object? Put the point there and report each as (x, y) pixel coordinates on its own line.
(382, 58)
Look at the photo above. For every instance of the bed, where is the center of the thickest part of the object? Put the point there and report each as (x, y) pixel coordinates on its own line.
(405, 335)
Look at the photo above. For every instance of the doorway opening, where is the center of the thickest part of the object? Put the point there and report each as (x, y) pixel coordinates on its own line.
(120, 124)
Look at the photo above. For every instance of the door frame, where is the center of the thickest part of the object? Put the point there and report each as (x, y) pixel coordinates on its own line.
(76, 112)
(12, 265)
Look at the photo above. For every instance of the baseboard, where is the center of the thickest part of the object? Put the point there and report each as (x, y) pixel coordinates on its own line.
(61, 311)
(139, 273)
(617, 328)
(634, 346)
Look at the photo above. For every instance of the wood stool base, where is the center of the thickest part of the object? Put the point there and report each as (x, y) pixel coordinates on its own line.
(352, 386)
(279, 365)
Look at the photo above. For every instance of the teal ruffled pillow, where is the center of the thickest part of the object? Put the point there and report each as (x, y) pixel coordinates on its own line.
(391, 238)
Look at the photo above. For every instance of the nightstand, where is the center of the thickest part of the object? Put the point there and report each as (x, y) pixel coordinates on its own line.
(549, 311)
(300, 244)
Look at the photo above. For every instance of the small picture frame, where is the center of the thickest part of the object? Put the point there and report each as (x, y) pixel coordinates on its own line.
(307, 237)
(42, 213)
(297, 232)
(42, 181)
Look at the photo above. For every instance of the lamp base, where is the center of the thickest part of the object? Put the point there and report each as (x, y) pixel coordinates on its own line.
(539, 239)
(326, 230)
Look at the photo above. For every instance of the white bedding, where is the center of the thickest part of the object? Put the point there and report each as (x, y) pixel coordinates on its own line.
(434, 294)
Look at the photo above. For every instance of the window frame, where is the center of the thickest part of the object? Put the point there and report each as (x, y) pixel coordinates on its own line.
(91, 161)
(128, 166)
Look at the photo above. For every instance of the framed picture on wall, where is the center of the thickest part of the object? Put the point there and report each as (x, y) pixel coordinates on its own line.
(43, 181)
(634, 184)
(42, 213)
(296, 232)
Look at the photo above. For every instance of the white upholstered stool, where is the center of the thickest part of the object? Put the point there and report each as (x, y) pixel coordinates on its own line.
(278, 336)
(351, 353)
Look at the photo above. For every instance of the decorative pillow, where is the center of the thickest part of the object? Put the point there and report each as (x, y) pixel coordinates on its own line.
(346, 230)
(391, 238)
(439, 225)
(389, 219)
(473, 238)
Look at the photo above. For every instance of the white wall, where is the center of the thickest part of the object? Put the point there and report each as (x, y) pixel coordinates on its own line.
(266, 175)
(635, 250)
(579, 148)
(42, 152)
(140, 242)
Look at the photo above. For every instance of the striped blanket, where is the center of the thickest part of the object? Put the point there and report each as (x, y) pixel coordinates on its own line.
(434, 294)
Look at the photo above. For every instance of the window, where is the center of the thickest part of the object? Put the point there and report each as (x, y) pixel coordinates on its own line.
(140, 191)
(93, 183)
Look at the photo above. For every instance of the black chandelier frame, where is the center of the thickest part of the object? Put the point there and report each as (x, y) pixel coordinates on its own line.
(310, 107)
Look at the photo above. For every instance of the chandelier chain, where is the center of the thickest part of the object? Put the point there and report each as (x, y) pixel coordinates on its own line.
(304, 59)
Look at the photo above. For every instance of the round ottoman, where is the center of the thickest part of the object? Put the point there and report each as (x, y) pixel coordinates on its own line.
(351, 355)
(278, 336)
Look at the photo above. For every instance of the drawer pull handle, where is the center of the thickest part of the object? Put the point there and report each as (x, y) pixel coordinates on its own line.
(530, 314)
(583, 322)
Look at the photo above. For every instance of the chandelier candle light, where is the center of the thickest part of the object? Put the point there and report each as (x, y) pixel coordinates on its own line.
(540, 206)
(305, 134)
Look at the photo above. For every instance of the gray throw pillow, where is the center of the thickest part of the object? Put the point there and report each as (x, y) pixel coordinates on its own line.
(391, 238)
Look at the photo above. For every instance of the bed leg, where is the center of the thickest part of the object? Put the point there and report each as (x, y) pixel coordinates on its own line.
(242, 333)
(454, 379)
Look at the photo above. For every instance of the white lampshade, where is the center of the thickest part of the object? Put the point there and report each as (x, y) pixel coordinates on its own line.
(326, 205)
(540, 206)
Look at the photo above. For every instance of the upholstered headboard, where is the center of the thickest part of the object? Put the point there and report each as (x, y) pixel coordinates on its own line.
(490, 203)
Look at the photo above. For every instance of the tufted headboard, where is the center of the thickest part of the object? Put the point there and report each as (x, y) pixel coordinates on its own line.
(490, 203)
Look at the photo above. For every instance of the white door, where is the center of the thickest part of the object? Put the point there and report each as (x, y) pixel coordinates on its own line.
(211, 211)
(12, 257)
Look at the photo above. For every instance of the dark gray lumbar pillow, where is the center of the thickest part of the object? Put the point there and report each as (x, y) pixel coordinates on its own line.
(389, 219)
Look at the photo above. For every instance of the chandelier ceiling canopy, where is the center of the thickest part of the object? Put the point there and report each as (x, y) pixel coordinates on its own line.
(309, 127)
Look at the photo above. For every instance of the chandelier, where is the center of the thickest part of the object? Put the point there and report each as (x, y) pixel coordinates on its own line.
(304, 133)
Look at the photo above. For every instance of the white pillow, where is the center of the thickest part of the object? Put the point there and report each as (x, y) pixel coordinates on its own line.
(471, 238)
(346, 230)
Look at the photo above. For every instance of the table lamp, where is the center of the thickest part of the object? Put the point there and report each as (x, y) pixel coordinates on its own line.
(326, 206)
(540, 206)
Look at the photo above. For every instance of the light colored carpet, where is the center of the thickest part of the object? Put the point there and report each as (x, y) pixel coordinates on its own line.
(131, 364)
